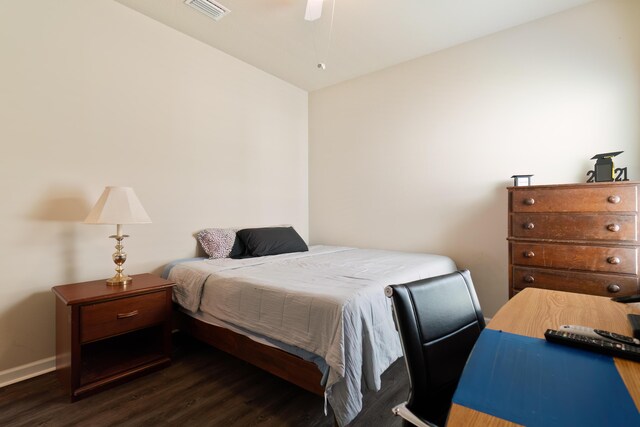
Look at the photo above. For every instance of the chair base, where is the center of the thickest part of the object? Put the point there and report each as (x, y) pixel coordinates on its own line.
(402, 411)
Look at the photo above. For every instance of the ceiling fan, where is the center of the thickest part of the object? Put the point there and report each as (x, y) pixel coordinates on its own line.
(313, 13)
(314, 10)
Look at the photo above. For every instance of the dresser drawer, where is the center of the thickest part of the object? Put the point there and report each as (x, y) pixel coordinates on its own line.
(122, 315)
(608, 227)
(576, 257)
(611, 198)
(570, 281)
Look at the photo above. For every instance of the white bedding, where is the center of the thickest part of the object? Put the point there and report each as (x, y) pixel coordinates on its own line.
(328, 301)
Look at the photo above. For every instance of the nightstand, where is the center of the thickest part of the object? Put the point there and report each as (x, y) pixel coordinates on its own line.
(106, 335)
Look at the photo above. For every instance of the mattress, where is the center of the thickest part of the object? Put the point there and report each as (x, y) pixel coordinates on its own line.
(328, 301)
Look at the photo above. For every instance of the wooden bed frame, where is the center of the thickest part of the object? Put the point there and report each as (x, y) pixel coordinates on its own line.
(291, 368)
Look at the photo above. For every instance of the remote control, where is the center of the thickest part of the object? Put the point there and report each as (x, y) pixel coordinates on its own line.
(599, 333)
(597, 345)
(617, 337)
(580, 330)
(627, 299)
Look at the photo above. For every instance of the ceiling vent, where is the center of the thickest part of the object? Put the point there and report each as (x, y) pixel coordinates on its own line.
(210, 8)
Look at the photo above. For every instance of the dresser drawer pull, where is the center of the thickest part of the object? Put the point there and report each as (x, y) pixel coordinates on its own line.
(613, 288)
(529, 279)
(529, 254)
(529, 201)
(125, 315)
(613, 199)
(613, 227)
(613, 260)
(529, 226)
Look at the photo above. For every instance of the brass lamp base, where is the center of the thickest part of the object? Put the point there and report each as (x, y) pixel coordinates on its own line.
(119, 280)
(119, 257)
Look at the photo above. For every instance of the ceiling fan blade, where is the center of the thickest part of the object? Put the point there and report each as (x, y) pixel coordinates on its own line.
(314, 10)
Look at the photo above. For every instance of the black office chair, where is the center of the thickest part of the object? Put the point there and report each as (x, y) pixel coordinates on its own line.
(439, 320)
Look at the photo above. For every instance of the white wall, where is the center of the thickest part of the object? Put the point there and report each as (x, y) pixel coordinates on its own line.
(417, 157)
(93, 93)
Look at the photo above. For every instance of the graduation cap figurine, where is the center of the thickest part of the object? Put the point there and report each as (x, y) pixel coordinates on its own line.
(603, 169)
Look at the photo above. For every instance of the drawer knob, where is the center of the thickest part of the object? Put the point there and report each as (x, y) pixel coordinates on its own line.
(613, 260)
(529, 279)
(613, 199)
(530, 201)
(129, 314)
(613, 288)
(613, 227)
(529, 254)
(529, 226)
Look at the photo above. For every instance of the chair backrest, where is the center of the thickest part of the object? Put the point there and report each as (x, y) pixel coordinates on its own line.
(439, 320)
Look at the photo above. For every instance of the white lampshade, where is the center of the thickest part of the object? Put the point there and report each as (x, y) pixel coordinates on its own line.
(118, 205)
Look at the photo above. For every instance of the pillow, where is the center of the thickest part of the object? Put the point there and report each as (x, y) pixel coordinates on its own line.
(220, 242)
(271, 241)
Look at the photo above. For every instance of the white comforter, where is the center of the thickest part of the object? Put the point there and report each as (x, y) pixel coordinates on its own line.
(329, 301)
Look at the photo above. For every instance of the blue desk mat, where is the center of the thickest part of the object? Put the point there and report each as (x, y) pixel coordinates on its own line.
(536, 383)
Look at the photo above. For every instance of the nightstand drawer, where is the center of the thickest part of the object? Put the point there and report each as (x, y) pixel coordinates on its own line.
(121, 315)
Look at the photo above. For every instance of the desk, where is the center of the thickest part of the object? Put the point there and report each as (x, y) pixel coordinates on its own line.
(532, 311)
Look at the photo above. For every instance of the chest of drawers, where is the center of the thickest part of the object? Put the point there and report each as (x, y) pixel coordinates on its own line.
(574, 237)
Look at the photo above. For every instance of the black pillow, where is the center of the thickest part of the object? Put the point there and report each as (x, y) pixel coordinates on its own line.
(271, 241)
(238, 250)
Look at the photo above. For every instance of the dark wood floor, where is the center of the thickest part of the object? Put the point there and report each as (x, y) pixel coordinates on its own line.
(202, 387)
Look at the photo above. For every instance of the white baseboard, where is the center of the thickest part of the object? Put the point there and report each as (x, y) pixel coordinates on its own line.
(487, 320)
(30, 370)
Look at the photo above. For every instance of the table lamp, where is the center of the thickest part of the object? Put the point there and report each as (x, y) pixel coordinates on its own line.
(118, 205)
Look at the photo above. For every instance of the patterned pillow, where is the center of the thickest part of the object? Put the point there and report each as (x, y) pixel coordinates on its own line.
(219, 242)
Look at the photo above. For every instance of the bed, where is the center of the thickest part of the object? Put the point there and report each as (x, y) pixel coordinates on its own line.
(317, 318)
